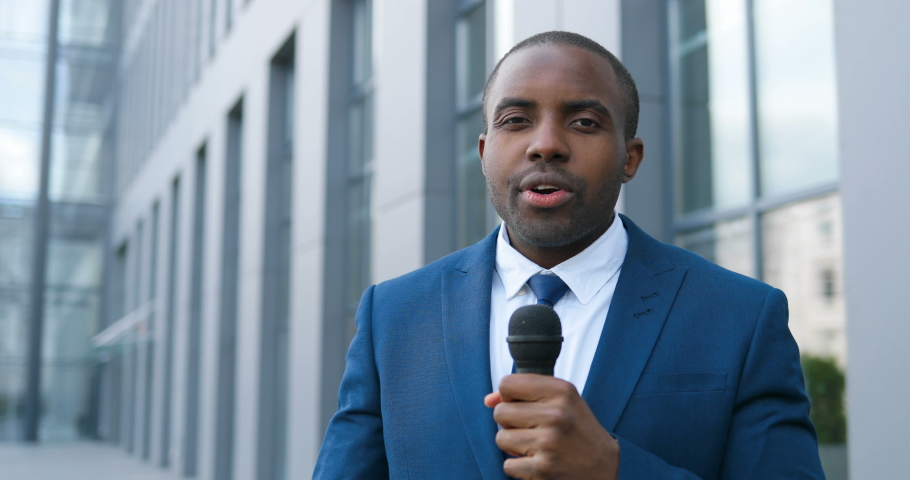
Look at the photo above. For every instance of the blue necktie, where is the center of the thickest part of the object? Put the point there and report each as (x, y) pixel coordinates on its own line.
(548, 288)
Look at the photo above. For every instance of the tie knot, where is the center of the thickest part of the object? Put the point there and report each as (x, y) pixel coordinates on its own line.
(548, 288)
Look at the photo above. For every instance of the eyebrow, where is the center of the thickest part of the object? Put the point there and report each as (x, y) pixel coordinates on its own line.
(588, 105)
(591, 104)
(508, 102)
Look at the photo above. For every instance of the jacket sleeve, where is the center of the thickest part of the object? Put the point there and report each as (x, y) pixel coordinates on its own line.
(353, 446)
(770, 433)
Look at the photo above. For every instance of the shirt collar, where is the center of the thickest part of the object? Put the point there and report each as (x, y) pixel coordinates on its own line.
(585, 273)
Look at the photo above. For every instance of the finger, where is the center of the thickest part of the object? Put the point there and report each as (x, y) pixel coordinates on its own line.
(520, 467)
(526, 414)
(529, 387)
(517, 441)
(492, 399)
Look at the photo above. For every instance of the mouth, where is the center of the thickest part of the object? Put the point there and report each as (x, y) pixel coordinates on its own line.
(545, 190)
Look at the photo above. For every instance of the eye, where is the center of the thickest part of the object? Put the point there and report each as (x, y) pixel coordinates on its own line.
(586, 123)
(513, 121)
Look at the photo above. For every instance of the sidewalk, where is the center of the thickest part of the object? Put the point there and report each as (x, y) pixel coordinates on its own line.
(74, 461)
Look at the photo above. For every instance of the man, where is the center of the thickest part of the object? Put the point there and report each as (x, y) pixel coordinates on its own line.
(685, 370)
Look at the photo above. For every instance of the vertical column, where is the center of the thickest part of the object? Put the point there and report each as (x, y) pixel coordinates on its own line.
(646, 199)
(872, 64)
(39, 254)
(311, 239)
(400, 99)
(277, 263)
(194, 331)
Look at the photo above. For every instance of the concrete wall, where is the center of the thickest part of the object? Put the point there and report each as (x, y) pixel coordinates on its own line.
(873, 67)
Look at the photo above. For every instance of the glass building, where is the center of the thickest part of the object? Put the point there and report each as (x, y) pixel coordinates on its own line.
(81, 137)
(228, 176)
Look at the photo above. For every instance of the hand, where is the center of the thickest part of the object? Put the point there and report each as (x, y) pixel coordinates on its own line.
(549, 427)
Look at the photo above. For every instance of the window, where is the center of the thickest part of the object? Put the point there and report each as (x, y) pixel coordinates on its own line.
(230, 270)
(273, 372)
(151, 330)
(170, 313)
(755, 165)
(360, 162)
(474, 217)
(194, 336)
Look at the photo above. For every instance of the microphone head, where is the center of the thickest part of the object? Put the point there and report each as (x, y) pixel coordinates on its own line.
(535, 339)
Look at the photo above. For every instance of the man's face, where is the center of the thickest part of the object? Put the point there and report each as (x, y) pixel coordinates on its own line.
(554, 153)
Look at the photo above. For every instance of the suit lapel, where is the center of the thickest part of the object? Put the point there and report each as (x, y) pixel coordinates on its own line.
(466, 328)
(647, 285)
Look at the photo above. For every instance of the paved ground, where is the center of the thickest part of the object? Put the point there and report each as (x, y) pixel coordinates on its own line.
(74, 461)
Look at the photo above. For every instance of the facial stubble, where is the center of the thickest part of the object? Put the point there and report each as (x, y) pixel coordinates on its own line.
(553, 229)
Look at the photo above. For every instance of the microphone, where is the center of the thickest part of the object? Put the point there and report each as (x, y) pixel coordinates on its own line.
(535, 339)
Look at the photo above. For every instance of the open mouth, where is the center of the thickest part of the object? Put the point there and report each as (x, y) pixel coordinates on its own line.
(545, 189)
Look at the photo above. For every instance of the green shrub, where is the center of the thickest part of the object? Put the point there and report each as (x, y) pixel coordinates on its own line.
(825, 386)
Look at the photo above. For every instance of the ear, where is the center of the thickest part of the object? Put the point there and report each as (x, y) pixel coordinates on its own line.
(635, 153)
(481, 142)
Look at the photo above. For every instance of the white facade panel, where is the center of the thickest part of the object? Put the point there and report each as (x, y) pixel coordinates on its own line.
(872, 68)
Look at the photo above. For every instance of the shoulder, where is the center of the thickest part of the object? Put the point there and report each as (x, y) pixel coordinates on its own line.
(429, 278)
(702, 277)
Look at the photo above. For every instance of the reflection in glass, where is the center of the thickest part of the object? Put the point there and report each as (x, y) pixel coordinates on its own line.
(471, 75)
(72, 309)
(21, 90)
(714, 140)
(797, 98)
(358, 226)
(471, 58)
(16, 230)
(19, 163)
(802, 248)
(728, 244)
(23, 21)
(472, 219)
(84, 22)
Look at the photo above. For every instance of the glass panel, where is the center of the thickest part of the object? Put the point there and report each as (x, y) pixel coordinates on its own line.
(72, 309)
(84, 22)
(15, 252)
(19, 163)
(363, 41)
(471, 54)
(803, 256)
(357, 252)
(728, 244)
(76, 172)
(21, 91)
(802, 248)
(797, 98)
(472, 186)
(288, 74)
(714, 140)
(23, 21)
(361, 135)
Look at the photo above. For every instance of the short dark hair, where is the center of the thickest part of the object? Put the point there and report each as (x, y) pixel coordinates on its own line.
(626, 84)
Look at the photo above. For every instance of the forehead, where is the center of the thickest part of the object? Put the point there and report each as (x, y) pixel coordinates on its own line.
(556, 73)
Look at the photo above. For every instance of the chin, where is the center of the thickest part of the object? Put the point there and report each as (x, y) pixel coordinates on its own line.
(547, 233)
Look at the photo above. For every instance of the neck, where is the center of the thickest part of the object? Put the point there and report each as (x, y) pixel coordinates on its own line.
(549, 257)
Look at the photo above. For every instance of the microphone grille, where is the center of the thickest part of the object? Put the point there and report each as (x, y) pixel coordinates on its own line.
(535, 320)
(529, 328)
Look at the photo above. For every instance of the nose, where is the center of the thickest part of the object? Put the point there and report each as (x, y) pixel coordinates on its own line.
(547, 143)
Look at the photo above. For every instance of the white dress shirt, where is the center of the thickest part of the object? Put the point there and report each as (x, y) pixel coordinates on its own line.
(591, 276)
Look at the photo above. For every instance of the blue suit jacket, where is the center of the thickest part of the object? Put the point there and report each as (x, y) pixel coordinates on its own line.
(696, 374)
